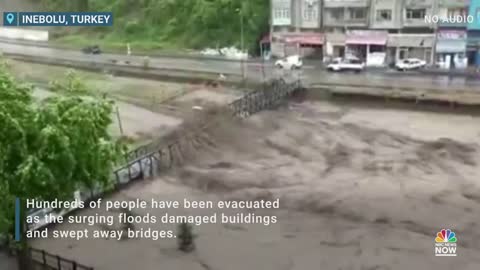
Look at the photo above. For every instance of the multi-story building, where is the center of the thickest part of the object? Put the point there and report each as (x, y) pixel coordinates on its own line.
(346, 24)
(377, 31)
(408, 34)
(473, 41)
(296, 28)
(451, 40)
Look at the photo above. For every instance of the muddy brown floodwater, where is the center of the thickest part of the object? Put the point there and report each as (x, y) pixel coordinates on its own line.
(359, 188)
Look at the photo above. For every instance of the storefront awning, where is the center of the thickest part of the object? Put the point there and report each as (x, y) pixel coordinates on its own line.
(303, 38)
(411, 40)
(366, 37)
(473, 39)
(451, 46)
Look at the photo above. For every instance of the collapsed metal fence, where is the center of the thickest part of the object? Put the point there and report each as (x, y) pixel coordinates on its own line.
(252, 102)
(144, 163)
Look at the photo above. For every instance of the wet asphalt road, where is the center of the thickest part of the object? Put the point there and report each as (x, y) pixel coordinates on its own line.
(311, 73)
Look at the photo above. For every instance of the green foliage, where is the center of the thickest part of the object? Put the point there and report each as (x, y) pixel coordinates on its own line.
(72, 84)
(51, 148)
(180, 23)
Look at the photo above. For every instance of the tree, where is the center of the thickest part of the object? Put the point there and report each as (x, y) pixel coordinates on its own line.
(50, 148)
(176, 24)
(82, 5)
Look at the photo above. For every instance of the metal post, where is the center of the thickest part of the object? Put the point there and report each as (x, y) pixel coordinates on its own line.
(242, 42)
(117, 177)
(59, 263)
(119, 121)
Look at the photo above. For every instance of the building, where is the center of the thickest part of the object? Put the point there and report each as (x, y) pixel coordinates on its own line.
(379, 32)
(451, 42)
(413, 15)
(386, 14)
(345, 23)
(451, 49)
(296, 28)
(473, 40)
(408, 34)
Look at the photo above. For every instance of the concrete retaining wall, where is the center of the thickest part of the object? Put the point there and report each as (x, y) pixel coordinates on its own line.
(23, 34)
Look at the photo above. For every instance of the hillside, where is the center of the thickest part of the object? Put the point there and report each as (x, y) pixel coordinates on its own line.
(167, 24)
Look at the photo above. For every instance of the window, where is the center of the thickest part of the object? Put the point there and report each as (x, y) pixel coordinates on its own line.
(457, 11)
(310, 14)
(416, 14)
(337, 13)
(357, 13)
(384, 15)
(281, 13)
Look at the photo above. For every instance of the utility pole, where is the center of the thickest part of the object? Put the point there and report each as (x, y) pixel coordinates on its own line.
(119, 121)
(242, 45)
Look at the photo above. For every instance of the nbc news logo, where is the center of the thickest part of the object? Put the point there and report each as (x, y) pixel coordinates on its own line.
(446, 243)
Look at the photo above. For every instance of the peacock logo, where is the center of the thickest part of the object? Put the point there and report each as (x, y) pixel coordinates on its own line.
(446, 236)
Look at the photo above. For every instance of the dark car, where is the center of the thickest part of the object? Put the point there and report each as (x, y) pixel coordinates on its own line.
(95, 49)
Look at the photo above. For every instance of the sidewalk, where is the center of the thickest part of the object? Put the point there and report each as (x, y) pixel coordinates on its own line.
(465, 73)
(469, 73)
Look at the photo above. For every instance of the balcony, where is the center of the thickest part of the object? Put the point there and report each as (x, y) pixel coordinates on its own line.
(356, 16)
(345, 3)
(452, 24)
(453, 3)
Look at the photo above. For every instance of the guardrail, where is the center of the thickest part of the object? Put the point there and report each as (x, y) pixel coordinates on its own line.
(94, 63)
(159, 54)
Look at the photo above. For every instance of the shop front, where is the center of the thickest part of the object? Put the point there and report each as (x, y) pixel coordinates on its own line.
(306, 44)
(403, 46)
(473, 49)
(451, 49)
(367, 45)
(334, 46)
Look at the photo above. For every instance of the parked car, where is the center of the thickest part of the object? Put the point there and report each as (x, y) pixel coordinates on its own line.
(410, 64)
(95, 49)
(290, 62)
(346, 64)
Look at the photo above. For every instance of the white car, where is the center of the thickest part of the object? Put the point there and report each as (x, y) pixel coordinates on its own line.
(290, 62)
(340, 64)
(410, 64)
